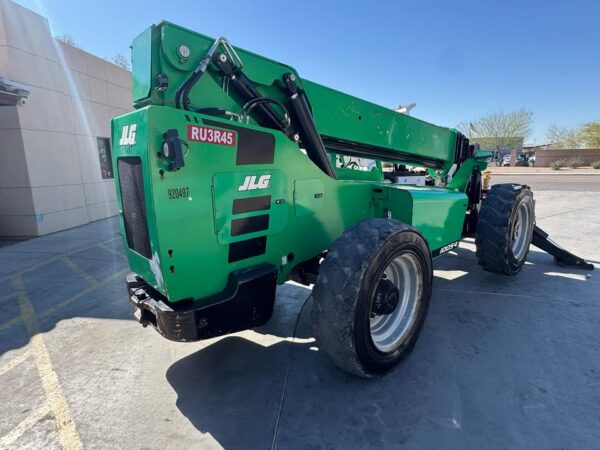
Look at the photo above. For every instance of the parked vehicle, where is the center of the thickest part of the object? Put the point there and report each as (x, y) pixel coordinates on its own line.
(506, 160)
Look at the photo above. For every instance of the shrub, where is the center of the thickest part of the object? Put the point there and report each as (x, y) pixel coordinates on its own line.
(557, 164)
(575, 162)
(596, 165)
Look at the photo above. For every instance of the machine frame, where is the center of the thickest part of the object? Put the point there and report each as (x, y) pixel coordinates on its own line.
(235, 175)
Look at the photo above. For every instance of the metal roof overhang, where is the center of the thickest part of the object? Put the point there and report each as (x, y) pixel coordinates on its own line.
(11, 92)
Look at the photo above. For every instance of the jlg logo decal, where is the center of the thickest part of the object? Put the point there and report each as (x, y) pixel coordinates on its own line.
(128, 135)
(251, 183)
(210, 135)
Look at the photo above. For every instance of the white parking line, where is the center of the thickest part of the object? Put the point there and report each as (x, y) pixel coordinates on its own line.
(56, 307)
(14, 362)
(110, 249)
(75, 268)
(26, 424)
(10, 323)
(52, 259)
(9, 296)
(67, 433)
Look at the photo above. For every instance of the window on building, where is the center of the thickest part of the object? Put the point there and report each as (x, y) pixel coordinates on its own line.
(105, 158)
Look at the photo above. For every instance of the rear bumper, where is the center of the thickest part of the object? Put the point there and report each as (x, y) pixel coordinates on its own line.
(246, 302)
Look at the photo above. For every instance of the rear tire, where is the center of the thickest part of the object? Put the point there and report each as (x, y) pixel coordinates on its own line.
(504, 228)
(372, 296)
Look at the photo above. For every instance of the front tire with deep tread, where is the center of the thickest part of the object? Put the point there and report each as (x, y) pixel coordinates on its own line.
(345, 290)
(501, 248)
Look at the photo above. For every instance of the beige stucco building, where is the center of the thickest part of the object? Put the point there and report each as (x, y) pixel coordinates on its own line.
(55, 172)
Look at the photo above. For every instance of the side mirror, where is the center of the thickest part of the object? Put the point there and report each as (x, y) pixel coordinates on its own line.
(483, 155)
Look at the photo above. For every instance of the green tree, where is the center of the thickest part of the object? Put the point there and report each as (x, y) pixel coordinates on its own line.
(564, 137)
(499, 130)
(67, 39)
(121, 61)
(590, 133)
(586, 135)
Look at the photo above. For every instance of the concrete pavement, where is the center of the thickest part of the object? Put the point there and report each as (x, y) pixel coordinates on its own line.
(570, 182)
(501, 362)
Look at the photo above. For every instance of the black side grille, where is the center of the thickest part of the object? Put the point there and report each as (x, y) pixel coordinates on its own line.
(131, 182)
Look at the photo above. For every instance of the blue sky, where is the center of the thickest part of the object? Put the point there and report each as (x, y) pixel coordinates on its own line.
(457, 59)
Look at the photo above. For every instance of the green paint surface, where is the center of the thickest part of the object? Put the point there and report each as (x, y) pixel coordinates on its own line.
(190, 234)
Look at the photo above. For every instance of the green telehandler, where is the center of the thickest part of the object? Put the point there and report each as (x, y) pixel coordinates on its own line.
(235, 175)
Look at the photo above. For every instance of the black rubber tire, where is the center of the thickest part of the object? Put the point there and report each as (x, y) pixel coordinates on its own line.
(495, 226)
(344, 292)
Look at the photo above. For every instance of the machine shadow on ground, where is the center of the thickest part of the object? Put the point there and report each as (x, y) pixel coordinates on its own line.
(76, 273)
(469, 371)
(232, 388)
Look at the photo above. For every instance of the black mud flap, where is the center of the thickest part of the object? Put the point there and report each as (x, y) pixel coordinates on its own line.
(561, 256)
(246, 302)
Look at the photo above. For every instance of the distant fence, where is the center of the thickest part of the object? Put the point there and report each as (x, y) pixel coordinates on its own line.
(543, 158)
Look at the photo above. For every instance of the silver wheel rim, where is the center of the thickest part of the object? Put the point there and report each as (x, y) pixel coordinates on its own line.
(388, 331)
(521, 231)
